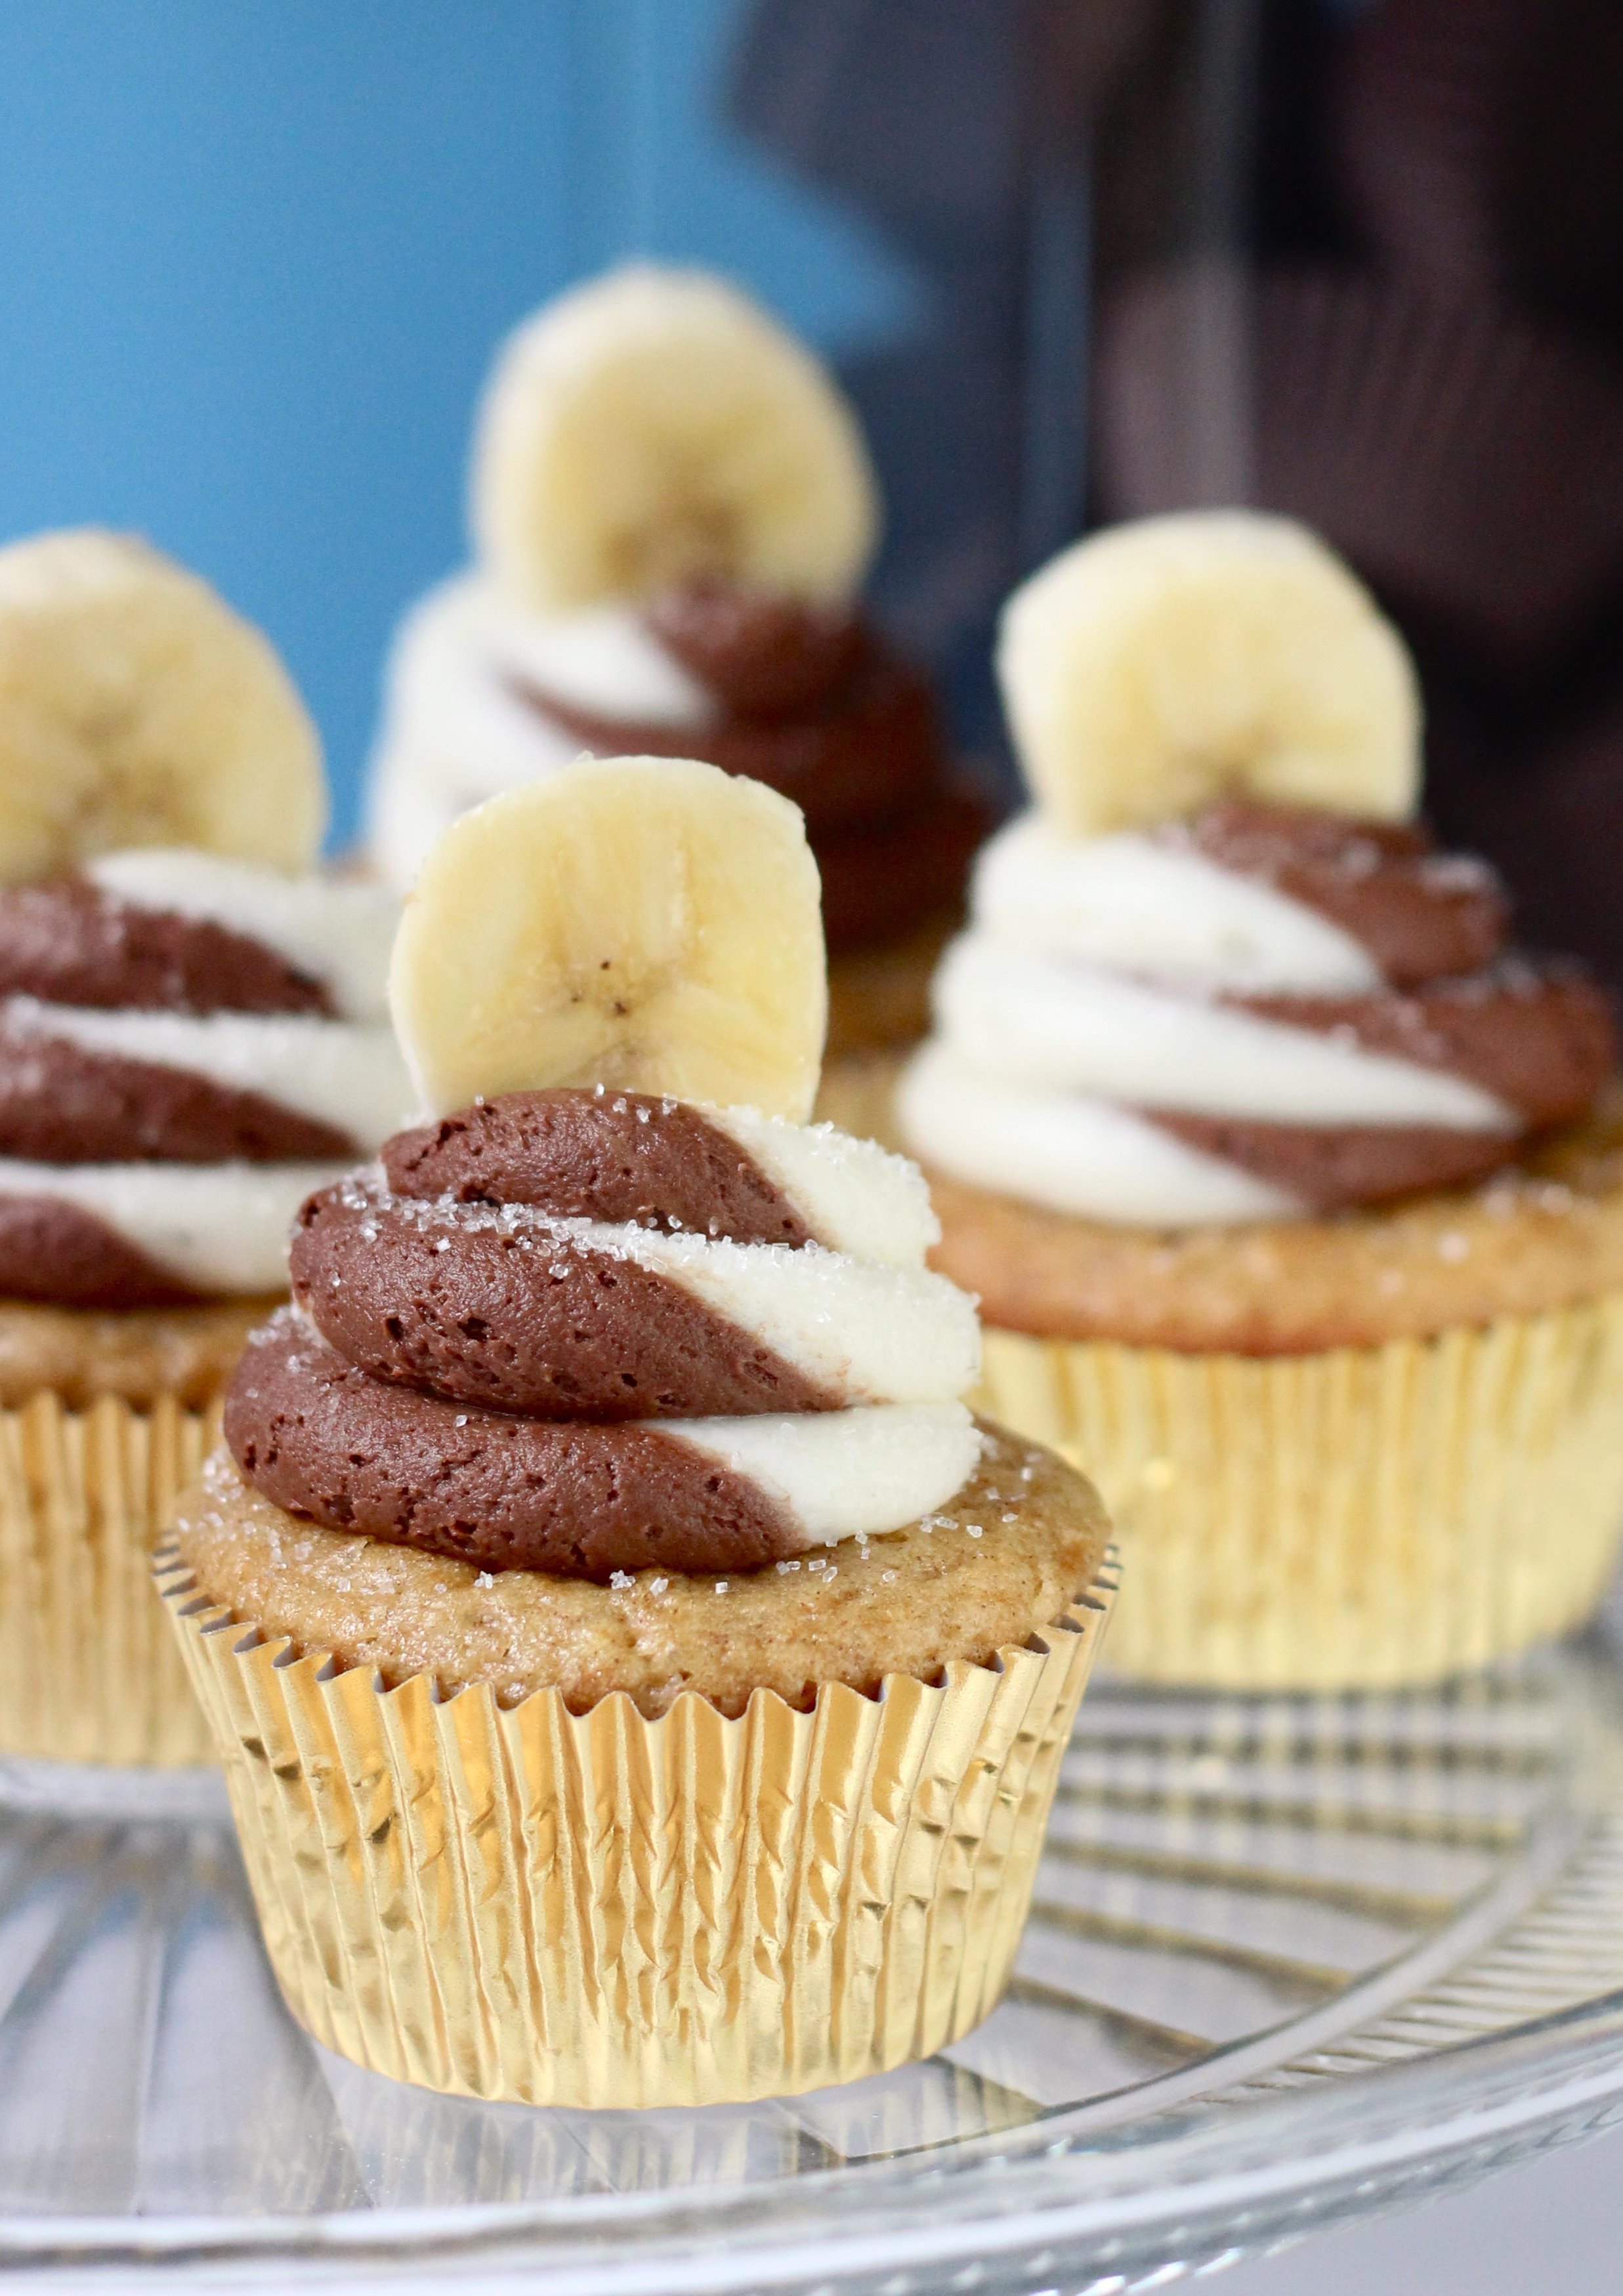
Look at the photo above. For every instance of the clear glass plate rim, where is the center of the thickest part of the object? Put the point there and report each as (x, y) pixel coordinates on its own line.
(1203, 2162)
(1249, 2135)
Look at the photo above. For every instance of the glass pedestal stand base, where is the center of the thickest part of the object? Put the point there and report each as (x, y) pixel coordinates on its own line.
(1290, 1959)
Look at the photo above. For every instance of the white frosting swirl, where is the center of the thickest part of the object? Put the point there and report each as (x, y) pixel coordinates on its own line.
(1160, 912)
(846, 1474)
(1043, 1021)
(456, 731)
(337, 931)
(872, 1333)
(1086, 992)
(338, 1072)
(223, 1227)
(851, 1194)
(859, 1314)
(1070, 1154)
(867, 1319)
(218, 1228)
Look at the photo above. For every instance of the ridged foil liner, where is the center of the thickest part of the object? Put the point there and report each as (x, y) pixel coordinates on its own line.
(527, 1905)
(1362, 1518)
(89, 1668)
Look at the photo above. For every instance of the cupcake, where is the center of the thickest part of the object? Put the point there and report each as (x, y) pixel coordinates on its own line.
(1292, 1193)
(638, 1678)
(673, 511)
(193, 1034)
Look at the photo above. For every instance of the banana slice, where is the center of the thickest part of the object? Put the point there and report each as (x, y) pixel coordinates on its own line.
(644, 923)
(655, 427)
(1162, 664)
(136, 708)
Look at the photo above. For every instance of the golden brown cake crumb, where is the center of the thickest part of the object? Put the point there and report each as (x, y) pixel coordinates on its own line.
(1545, 1234)
(1023, 1537)
(135, 1353)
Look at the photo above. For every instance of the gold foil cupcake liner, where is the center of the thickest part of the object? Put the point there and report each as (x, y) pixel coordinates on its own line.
(1357, 1519)
(528, 1905)
(89, 1668)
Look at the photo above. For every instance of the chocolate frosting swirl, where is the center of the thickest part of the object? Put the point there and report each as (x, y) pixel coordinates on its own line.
(624, 1156)
(815, 703)
(60, 1105)
(54, 1251)
(132, 1034)
(69, 943)
(322, 1439)
(1422, 916)
(1539, 1036)
(761, 656)
(1337, 1166)
(1433, 992)
(493, 1307)
(466, 1374)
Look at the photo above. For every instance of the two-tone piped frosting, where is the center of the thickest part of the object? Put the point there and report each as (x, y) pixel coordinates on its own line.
(673, 512)
(188, 1045)
(1221, 974)
(810, 699)
(1254, 1014)
(583, 1331)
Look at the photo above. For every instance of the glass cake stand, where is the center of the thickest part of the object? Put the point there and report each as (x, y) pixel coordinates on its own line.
(1290, 1959)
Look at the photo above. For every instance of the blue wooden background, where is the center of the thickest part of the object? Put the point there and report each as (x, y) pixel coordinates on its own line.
(254, 255)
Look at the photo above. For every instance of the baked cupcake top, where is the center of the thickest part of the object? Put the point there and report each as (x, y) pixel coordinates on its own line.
(192, 1024)
(673, 512)
(1219, 975)
(623, 1310)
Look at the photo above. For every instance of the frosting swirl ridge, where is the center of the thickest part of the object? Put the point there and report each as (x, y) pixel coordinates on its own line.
(810, 699)
(187, 1044)
(1256, 1014)
(604, 1393)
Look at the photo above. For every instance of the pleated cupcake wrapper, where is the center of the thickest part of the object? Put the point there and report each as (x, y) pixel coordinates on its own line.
(527, 1904)
(1360, 1518)
(89, 1668)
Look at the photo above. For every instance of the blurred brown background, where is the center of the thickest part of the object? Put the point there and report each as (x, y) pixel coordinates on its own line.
(1360, 260)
